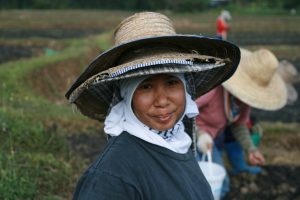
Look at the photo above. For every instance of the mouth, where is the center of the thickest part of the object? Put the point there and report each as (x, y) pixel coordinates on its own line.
(163, 117)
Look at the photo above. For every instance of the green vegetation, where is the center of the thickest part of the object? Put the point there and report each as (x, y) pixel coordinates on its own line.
(281, 128)
(253, 6)
(36, 160)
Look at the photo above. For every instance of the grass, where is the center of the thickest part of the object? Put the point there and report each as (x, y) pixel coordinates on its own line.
(36, 160)
(32, 161)
(35, 19)
(202, 22)
(281, 128)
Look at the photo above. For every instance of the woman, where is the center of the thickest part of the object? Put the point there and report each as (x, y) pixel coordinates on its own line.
(226, 111)
(223, 24)
(146, 84)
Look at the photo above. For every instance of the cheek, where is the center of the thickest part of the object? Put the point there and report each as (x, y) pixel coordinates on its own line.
(140, 103)
(179, 98)
(181, 102)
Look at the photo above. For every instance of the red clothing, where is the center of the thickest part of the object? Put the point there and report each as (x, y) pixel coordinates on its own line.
(222, 27)
(212, 118)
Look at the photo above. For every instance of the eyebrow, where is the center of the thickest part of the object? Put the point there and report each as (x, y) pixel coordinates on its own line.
(153, 77)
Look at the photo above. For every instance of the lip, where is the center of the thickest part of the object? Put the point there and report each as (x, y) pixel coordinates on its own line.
(163, 117)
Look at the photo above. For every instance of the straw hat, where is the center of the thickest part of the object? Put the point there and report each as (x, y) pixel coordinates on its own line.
(146, 43)
(256, 81)
(288, 73)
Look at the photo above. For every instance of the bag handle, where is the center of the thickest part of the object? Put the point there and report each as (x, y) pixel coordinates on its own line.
(208, 155)
(209, 161)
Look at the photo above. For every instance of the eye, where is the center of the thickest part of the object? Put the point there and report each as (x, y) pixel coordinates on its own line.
(145, 86)
(173, 81)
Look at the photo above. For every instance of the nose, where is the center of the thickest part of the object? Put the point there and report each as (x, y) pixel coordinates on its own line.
(161, 98)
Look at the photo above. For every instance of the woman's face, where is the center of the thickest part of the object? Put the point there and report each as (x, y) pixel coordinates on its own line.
(159, 101)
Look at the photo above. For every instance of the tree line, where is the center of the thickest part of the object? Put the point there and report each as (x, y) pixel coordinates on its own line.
(174, 5)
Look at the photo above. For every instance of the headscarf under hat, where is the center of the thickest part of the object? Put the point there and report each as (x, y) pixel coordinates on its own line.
(122, 118)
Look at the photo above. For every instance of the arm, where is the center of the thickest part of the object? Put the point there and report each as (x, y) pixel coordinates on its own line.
(210, 120)
(242, 135)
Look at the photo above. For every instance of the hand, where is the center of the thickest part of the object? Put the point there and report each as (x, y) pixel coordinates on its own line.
(256, 158)
(204, 142)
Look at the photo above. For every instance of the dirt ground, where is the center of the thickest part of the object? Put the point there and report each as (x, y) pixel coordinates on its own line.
(9, 52)
(280, 178)
(280, 182)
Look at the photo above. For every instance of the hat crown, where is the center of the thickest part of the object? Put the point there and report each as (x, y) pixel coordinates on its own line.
(261, 66)
(143, 25)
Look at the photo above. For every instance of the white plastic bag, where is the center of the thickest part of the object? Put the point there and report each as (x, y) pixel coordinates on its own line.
(214, 174)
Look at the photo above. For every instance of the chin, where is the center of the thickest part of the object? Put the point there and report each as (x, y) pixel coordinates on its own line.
(164, 128)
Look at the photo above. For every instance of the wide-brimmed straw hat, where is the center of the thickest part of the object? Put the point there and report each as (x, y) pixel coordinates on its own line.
(288, 73)
(256, 81)
(146, 43)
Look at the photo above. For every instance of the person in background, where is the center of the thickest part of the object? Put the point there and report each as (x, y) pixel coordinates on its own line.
(234, 151)
(257, 84)
(223, 24)
(145, 86)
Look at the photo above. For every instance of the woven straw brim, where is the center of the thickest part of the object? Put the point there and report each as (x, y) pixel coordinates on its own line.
(94, 97)
(270, 97)
(210, 62)
(187, 43)
(181, 63)
(178, 68)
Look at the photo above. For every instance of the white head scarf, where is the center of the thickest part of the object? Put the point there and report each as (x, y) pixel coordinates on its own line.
(121, 118)
(225, 14)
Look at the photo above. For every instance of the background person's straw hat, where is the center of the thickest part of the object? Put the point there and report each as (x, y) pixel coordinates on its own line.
(256, 81)
(288, 73)
(146, 43)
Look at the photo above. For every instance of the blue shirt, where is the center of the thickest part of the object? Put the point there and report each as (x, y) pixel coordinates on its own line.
(132, 169)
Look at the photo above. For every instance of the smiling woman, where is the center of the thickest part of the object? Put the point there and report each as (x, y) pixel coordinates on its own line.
(152, 109)
(145, 85)
(159, 101)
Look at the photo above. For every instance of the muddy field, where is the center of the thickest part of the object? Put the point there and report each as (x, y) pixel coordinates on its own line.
(277, 182)
(280, 179)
